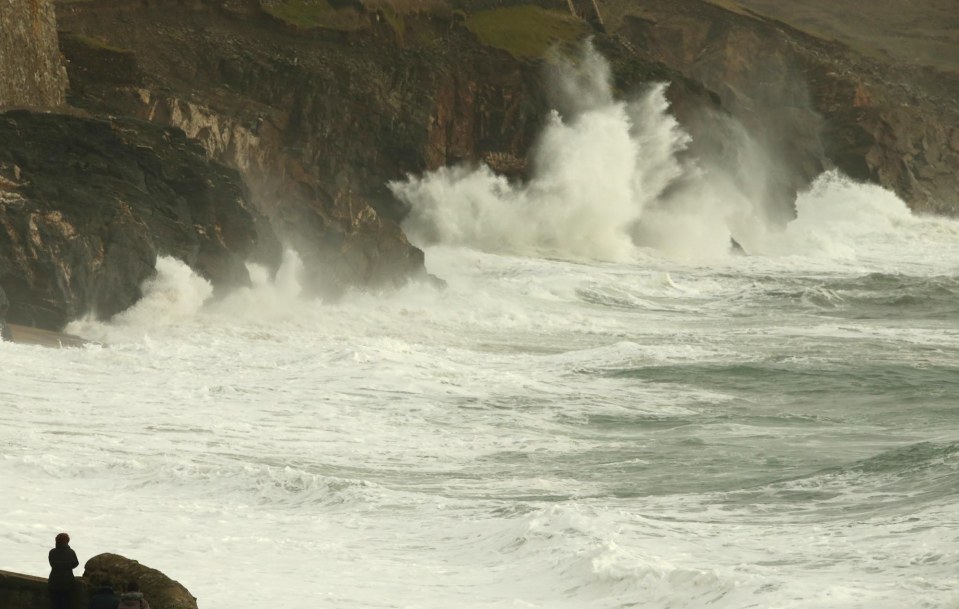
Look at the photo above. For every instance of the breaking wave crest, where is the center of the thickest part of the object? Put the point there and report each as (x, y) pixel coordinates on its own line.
(612, 178)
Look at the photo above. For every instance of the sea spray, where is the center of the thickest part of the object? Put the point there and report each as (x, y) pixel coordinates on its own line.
(176, 295)
(597, 164)
(608, 176)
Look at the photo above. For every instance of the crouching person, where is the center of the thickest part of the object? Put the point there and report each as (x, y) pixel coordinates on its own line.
(133, 598)
(104, 597)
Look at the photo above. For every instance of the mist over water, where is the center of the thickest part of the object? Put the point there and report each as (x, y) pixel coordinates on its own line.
(602, 409)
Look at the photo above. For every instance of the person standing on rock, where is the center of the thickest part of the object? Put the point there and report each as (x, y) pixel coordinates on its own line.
(133, 598)
(61, 583)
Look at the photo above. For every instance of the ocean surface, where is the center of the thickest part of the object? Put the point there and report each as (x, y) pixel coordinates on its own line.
(605, 407)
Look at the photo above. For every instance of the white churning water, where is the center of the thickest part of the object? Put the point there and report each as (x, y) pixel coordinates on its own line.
(604, 407)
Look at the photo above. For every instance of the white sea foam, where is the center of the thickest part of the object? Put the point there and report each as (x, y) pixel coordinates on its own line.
(670, 430)
(610, 177)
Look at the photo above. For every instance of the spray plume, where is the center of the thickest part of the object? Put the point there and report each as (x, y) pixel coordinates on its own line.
(607, 177)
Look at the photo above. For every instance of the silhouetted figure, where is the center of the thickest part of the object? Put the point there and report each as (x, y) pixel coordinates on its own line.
(133, 598)
(104, 598)
(4, 307)
(62, 562)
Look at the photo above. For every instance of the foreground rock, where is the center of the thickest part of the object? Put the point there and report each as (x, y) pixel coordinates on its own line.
(86, 205)
(159, 590)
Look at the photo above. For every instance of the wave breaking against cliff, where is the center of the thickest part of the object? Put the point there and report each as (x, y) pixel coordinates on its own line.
(610, 177)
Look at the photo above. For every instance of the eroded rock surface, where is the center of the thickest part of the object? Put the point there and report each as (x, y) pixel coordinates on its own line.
(86, 205)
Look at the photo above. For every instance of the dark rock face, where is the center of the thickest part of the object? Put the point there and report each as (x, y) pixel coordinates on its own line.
(813, 103)
(86, 206)
(158, 589)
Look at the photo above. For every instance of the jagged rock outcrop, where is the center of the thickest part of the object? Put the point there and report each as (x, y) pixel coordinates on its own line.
(159, 590)
(86, 205)
(31, 70)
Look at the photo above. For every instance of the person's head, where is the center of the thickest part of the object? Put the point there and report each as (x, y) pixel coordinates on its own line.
(133, 586)
(63, 539)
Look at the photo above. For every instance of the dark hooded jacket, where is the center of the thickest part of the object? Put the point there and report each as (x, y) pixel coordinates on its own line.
(104, 598)
(62, 562)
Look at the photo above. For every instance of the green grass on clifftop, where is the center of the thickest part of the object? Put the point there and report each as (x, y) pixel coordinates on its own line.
(525, 32)
(310, 14)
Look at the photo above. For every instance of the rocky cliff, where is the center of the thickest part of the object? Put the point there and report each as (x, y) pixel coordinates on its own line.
(819, 96)
(318, 104)
(318, 108)
(87, 205)
(344, 96)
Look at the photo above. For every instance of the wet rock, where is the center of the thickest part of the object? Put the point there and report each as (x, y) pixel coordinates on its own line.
(87, 205)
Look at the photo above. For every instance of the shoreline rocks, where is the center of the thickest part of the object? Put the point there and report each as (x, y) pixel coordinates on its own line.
(87, 204)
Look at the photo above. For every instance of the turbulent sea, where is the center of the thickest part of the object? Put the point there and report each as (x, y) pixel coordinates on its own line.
(604, 408)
